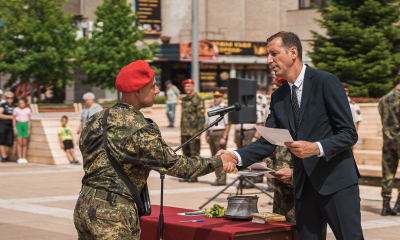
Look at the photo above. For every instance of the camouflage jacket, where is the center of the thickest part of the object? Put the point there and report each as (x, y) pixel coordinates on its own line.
(136, 143)
(389, 109)
(193, 118)
(280, 158)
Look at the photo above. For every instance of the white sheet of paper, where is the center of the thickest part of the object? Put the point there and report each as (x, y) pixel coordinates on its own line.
(274, 135)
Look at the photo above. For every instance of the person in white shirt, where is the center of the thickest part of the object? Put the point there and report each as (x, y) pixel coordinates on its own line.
(173, 96)
(217, 136)
(354, 108)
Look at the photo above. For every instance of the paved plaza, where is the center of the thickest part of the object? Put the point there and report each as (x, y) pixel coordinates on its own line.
(37, 201)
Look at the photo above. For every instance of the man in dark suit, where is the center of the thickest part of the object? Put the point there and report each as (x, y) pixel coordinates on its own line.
(313, 106)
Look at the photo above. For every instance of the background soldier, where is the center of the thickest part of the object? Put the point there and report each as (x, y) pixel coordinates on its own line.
(355, 109)
(389, 109)
(217, 136)
(105, 208)
(281, 162)
(192, 121)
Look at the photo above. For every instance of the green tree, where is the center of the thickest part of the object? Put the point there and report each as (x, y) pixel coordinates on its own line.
(360, 45)
(37, 41)
(116, 41)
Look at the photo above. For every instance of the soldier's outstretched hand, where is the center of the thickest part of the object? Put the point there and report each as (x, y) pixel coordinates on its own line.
(229, 160)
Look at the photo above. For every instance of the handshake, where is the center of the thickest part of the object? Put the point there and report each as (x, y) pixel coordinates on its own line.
(229, 159)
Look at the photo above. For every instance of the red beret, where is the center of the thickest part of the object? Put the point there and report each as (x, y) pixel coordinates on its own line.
(134, 76)
(187, 81)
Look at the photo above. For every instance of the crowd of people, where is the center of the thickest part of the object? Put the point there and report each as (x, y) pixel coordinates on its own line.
(15, 124)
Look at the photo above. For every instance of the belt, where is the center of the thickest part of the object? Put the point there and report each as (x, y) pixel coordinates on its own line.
(238, 130)
(216, 130)
(108, 196)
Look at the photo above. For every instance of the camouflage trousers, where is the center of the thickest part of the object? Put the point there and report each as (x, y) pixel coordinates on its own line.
(284, 201)
(215, 137)
(192, 148)
(96, 218)
(390, 161)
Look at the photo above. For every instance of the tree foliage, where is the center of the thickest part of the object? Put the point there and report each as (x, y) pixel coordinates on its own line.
(37, 41)
(361, 44)
(116, 41)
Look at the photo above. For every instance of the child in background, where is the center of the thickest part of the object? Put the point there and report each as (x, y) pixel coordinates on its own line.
(22, 126)
(66, 140)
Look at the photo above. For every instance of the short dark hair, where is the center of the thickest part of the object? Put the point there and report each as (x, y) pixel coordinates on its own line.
(64, 117)
(289, 40)
(24, 100)
(345, 85)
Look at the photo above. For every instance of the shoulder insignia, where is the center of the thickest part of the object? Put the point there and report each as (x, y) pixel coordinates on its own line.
(358, 112)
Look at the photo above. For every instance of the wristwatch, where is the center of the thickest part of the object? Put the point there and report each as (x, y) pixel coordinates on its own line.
(225, 137)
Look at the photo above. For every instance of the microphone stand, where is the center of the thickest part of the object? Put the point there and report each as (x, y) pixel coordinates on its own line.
(162, 176)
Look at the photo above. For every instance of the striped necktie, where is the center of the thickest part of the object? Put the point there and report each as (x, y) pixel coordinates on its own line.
(295, 108)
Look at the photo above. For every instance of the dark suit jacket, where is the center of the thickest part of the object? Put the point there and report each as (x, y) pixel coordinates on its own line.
(325, 117)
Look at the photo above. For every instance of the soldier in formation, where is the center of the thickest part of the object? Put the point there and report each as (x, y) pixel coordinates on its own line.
(192, 121)
(389, 110)
(106, 208)
(281, 162)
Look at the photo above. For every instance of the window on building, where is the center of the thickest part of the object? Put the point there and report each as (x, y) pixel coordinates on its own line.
(304, 4)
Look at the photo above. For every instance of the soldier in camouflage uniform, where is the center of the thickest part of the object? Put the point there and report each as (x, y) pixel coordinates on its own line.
(192, 121)
(389, 109)
(106, 208)
(281, 162)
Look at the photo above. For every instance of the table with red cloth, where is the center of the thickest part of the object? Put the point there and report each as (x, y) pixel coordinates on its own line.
(211, 228)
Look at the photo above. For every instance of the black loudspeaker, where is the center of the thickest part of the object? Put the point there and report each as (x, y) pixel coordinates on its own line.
(244, 92)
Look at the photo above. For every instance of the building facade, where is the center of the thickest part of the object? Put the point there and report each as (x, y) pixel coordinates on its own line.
(236, 29)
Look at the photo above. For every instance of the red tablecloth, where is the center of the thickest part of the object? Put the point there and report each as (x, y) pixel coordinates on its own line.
(211, 228)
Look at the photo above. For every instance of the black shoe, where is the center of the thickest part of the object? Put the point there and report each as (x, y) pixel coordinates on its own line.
(188, 180)
(386, 210)
(170, 126)
(396, 207)
(218, 183)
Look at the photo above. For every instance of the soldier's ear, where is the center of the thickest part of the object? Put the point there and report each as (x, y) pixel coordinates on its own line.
(137, 93)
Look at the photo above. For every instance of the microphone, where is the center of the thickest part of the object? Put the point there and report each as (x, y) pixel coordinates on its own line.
(234, 107)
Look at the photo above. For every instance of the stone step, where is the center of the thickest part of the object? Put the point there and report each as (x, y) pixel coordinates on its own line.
(373, 171)
(369, 143)
(368, 157)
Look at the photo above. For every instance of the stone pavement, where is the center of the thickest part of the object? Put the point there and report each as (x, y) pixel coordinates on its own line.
(37, 201)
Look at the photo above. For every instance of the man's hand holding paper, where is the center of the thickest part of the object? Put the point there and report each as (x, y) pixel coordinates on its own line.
(282, 137)
(303, 149)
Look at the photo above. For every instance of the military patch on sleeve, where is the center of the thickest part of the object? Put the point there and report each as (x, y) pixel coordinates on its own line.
(202, 110)
(358, 112)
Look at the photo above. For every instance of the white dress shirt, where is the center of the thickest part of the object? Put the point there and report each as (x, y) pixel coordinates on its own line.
(299, 84)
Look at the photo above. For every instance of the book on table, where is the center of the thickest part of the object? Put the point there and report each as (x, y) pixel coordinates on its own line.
(266, 217)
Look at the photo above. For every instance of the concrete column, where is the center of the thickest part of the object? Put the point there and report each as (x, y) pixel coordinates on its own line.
(232, 72)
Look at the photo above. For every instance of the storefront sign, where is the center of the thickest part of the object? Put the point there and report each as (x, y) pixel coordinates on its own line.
(41, 93)
(207, 51)
(149, 12)
(241, 48)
